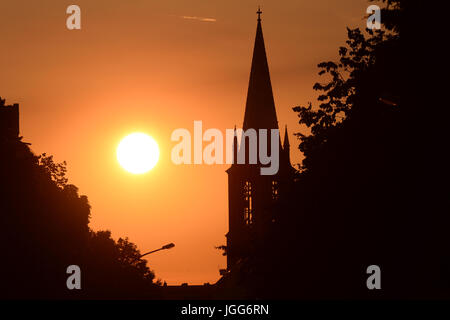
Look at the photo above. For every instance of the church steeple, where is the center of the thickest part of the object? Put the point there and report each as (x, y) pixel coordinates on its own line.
(251, 196)
(286, 146)
(260, 107)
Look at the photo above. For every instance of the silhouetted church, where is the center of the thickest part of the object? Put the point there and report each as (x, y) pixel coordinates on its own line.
(251, 196)
(9, 120)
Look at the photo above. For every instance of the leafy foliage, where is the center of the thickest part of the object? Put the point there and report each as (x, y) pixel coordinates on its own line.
(353, 205)
(56, 171)
(356, 79)
(45, 229)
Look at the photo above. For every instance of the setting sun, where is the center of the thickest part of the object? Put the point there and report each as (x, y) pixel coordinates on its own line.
(138, 153)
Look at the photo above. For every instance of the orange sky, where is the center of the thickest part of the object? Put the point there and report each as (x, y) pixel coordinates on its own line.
(140, 66)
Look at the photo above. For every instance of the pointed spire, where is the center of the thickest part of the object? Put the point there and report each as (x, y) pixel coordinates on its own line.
(260, 107)
(286, 138)
(235, 146)
(286, 147)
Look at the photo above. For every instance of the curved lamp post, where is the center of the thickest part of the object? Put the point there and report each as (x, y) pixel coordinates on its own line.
(167, 246)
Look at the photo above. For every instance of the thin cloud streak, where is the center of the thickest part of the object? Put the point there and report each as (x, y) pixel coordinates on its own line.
(199, 19)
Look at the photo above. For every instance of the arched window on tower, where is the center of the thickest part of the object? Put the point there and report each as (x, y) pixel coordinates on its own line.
(248, 207)
(275, 190)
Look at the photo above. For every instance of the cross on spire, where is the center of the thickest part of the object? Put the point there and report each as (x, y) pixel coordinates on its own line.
(259, 13)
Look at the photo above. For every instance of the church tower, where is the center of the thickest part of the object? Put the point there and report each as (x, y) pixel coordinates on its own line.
(251, 196)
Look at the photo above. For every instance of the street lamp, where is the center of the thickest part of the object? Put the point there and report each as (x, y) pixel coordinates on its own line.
(165, 247)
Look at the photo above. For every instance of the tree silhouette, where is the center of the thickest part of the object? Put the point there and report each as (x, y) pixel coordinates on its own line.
(368, 72)
(44, 229)
(351, 206)
(57, 171)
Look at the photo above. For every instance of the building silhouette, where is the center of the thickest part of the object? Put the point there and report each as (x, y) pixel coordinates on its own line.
(252, 196)
(9, 120)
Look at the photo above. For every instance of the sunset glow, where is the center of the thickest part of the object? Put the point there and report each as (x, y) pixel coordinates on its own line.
(138, 153)
(144, 67)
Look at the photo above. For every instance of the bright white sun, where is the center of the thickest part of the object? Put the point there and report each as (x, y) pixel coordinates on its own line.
(138, 153)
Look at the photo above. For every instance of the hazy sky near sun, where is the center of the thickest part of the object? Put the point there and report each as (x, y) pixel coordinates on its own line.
(155, 66)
